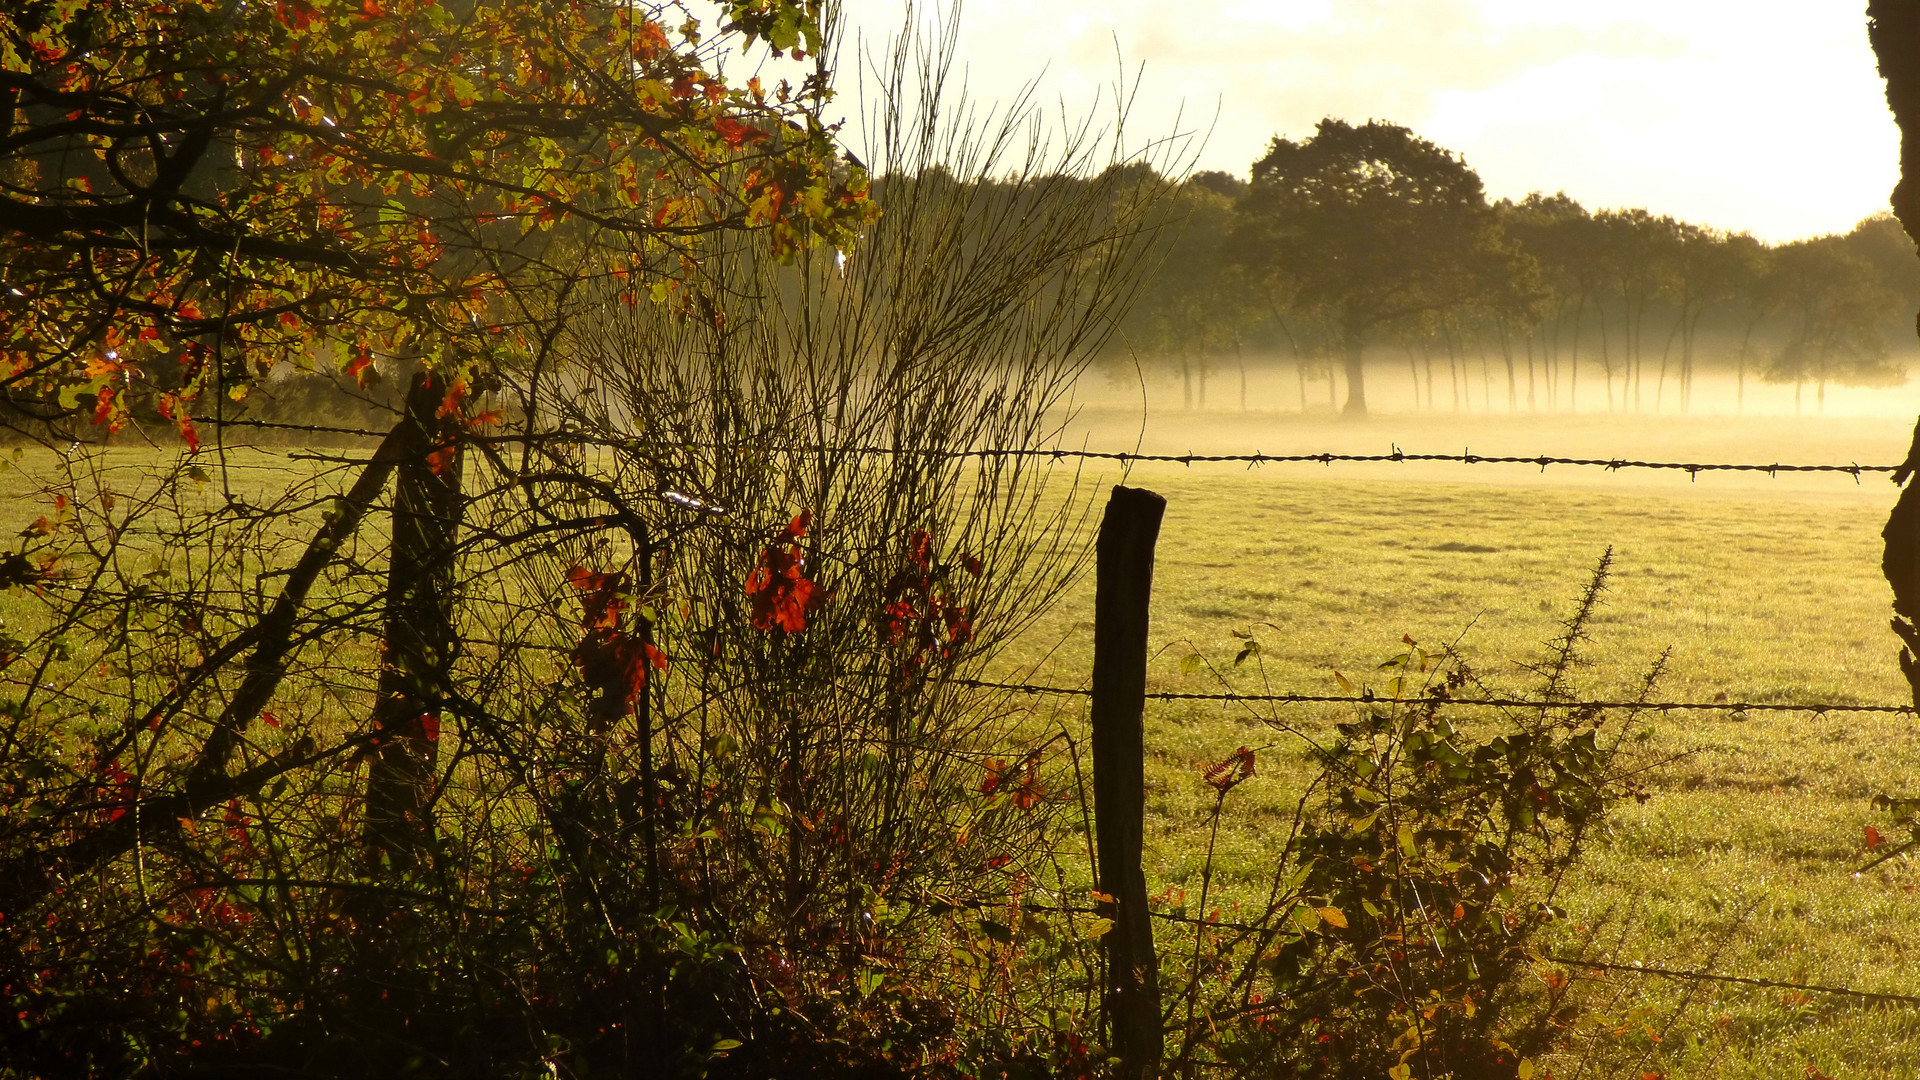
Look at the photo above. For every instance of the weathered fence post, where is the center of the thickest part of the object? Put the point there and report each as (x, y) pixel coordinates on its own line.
(420, 638)
(1123, 587)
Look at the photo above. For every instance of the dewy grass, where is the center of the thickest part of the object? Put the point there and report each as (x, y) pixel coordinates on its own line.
(1743, 856)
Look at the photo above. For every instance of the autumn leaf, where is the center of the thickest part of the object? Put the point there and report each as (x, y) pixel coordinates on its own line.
(1228, 773)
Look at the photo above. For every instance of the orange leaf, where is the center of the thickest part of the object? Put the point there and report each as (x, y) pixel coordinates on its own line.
(357, 367)
(450, 405)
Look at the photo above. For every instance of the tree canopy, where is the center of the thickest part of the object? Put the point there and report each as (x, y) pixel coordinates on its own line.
(1370, 224)
(193, 191)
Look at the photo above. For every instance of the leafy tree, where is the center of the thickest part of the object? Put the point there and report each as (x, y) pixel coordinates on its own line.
(1755, 297)
(1196, 304)
(194, 191)
(1879, 241)
(1558, 234)
(1368, 225)
(1835, 301)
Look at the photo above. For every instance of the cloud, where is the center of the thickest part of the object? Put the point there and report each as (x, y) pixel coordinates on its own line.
(1705, 109)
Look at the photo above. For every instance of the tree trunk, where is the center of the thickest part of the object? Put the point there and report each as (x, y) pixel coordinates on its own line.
(1532, 405)
(420, 640)
(1354, 342)
(1893, 29)
(1666, 352)
(1513, 387)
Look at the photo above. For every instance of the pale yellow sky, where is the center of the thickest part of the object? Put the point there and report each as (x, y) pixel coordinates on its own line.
(1757, 115)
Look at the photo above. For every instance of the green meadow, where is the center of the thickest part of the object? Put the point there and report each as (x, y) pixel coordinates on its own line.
(1743, 857)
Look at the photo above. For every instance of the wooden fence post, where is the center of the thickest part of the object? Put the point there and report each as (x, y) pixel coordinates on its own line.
(1122, 590)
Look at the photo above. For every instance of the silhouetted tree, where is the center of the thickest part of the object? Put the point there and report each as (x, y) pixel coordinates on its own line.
(1835, 299)
(1196, 304)
(1370, 224)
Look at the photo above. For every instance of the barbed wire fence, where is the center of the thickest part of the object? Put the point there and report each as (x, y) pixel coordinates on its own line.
(1722, 704)
(1728, 706)
(1255, 458)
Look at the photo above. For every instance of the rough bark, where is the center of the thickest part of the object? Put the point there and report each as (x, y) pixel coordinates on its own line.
(419, 642)
(1893, 28)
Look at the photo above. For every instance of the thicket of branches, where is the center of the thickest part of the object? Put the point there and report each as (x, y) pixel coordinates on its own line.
(598, 717)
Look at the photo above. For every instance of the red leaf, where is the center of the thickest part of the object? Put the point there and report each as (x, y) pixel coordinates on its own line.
(269, 719)
(358, 366)
(1873, 838)
(1226, 774)
(603, 602)
(450, 405)
(734, 133)
(430, 727)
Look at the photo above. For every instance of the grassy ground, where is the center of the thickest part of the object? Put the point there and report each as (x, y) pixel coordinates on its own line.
(1768, 591)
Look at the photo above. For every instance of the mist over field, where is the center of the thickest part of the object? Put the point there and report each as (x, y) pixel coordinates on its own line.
(652, 540)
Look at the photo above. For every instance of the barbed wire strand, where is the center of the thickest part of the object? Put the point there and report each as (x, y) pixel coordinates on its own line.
(1728, 706)
(1744, 980)
(1128, 457)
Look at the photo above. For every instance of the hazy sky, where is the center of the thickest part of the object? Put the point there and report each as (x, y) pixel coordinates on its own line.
(1762, 115)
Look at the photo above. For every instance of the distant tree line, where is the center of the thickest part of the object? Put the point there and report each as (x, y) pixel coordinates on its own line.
(1363, 240)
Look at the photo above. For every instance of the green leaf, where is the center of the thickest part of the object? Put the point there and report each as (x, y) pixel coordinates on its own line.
(997, 931)
(1191, 663)
(1346, 686)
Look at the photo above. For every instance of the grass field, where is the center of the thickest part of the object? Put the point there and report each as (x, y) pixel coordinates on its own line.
(1766, 590)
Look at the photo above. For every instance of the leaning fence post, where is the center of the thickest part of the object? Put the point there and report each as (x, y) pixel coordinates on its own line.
(1122, 588)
